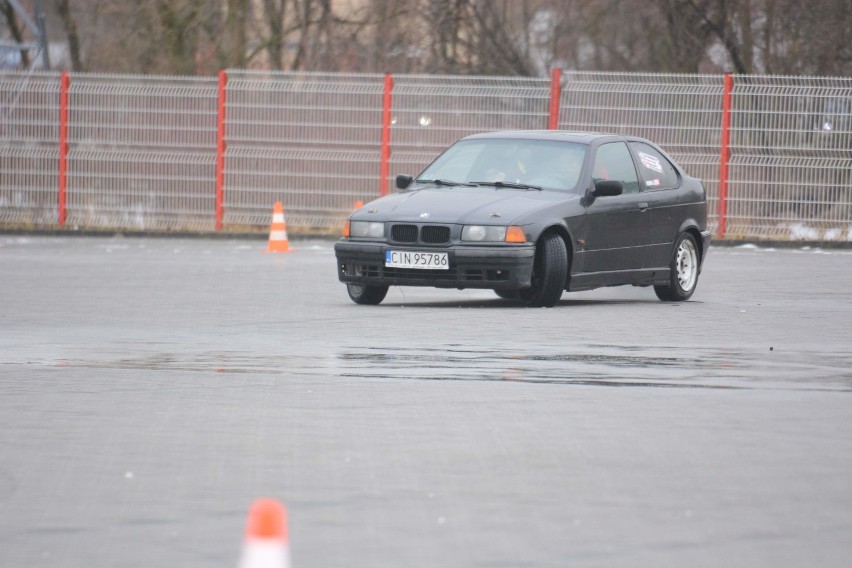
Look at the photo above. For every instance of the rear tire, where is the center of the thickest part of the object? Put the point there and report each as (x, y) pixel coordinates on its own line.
(550, 271)
(367, 295)
(683, 271)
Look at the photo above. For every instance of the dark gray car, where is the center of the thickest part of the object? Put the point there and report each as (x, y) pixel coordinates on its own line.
(530, 215)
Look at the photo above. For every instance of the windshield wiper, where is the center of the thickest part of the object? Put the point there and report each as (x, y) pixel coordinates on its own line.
(445, 182)
(508, 184)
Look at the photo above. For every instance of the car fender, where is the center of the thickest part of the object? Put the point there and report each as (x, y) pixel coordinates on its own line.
(694, 227)
(551, 215)
(534, 232)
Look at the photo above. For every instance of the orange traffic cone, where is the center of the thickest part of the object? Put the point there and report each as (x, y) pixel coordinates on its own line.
(359, 205)
(266, 544)
(278, 241)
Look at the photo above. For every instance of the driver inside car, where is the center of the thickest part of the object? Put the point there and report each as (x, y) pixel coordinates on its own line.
(509, 169)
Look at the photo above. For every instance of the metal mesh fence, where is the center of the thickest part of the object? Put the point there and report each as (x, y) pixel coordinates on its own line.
(311, 141)
(432, 112)
(791, 158)
(681, 113)
(29, 151)
(141, 152)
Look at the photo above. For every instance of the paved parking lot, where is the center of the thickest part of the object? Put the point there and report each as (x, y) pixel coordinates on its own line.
(151, 388)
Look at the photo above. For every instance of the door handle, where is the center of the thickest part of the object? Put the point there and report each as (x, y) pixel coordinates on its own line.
(643, 205)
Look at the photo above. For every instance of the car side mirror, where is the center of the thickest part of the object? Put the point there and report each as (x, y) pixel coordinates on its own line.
(608, 188)
(403, 181)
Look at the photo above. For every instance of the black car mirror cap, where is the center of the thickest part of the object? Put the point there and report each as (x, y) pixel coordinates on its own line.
(608, 188)
(403, 181)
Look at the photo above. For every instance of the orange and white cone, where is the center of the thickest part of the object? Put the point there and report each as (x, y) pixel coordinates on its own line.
(278, 241)
(266, 544)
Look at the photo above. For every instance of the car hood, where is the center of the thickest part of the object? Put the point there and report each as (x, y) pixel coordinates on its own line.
(459, 205)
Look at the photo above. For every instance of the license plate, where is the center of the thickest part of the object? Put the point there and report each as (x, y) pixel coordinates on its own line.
(410, 259)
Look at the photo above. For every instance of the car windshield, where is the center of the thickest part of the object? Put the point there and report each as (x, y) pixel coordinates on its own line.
(537, 164)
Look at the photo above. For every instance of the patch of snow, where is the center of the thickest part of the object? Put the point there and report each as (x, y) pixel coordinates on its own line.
(801, 232)
(832, 235)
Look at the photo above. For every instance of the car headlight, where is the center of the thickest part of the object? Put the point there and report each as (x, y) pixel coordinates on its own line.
(366, 229)
(491, 234)
(483, 233)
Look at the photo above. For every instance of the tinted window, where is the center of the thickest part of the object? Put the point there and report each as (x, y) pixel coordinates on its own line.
(657, 172)
(455, 163)
(613, 162)
(545, 163)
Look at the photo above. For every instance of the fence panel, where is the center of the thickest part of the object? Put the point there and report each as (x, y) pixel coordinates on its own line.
(142, 152)
(29, 148)
(432, 112)
(309, 140)
(791, 158)
(681, 113)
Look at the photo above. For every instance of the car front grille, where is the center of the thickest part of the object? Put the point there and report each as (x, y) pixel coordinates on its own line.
(429, 234)
(404, 233)
(435, 234)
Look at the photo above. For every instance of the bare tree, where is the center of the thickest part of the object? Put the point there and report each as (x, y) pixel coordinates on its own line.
(680, 40)
(69, 25)
(16, 31)
(499, 37)
(179, 33)
(236, 34)
(806, 38)
(276, 14)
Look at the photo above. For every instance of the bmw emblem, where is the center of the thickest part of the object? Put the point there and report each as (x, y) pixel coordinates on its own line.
(424, 215)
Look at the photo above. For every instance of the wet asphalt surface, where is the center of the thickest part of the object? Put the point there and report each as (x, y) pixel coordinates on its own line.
(150, 389)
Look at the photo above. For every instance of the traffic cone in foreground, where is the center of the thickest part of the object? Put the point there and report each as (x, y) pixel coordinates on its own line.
(278, 241)
(266, 544)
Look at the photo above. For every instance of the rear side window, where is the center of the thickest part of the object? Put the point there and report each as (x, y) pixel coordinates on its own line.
(613, 162)
(656, 171)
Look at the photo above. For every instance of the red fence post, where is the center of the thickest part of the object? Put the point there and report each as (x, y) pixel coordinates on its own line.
(64, 85)
(387, 103)
(220, 150)
(725, 154)
(555, 98)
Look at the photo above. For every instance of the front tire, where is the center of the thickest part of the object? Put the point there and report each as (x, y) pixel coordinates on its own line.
(550, 271)
(367, 295)
(683, 271)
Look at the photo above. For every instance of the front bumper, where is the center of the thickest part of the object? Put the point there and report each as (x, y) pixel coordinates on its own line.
(499, 267)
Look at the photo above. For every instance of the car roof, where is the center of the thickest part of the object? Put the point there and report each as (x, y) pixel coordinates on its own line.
(556, 135)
